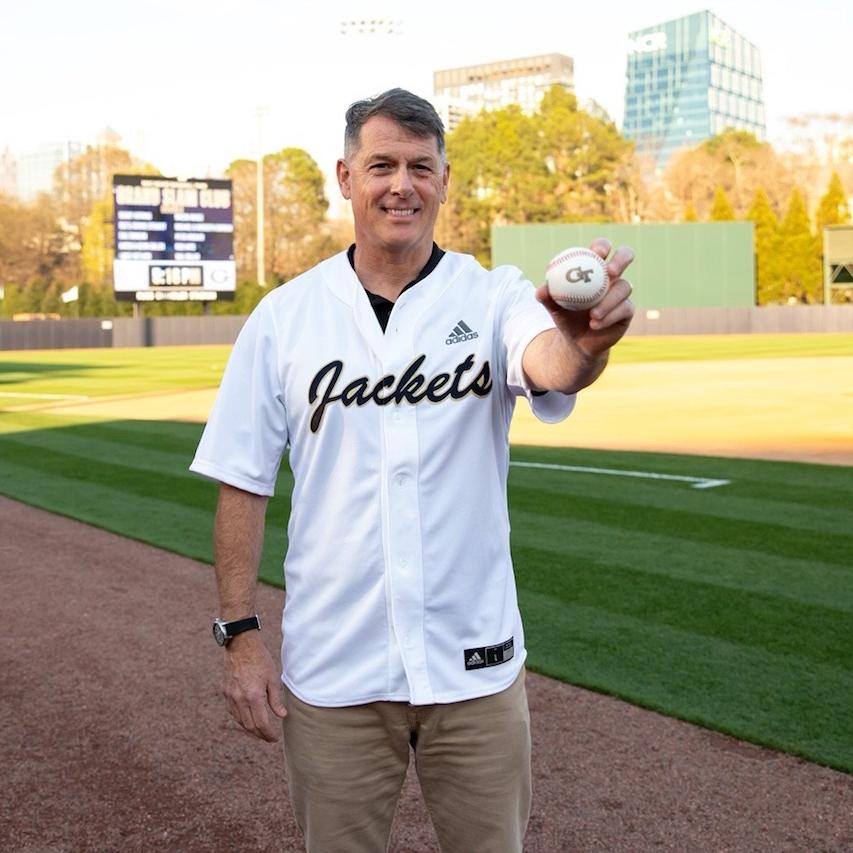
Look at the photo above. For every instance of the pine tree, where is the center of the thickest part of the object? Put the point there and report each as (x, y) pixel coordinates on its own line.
(690, 213)
(800, 271)
(767, 272)
(833, 208)
(721, 209)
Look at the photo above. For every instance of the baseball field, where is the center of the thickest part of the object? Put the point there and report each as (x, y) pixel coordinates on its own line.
(668, 549)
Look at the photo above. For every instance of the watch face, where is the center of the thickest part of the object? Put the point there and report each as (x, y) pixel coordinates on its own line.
(219, 634)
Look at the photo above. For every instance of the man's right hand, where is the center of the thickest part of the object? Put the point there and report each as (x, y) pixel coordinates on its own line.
(252, 687)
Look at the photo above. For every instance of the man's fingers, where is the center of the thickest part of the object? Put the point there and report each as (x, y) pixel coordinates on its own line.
(544, 296)
(275, 699)
(601, 247)
(262, 727)
(617, 293)
(250, 711)
(619, 262)
(605, 315)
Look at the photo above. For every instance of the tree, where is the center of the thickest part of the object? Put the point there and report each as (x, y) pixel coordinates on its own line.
(560, 164)
(97, 250)
(734, 161)
(583, 153)
(800, 272)
(690, 213)
(295, 198)
(243, 176)
(498, 176)
(766, 231)
(87, 179)
(296, 235)
(34, 245)
(833, 208)
(721, 209)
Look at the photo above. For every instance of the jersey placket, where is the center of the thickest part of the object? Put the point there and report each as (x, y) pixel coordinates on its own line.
(400, 484)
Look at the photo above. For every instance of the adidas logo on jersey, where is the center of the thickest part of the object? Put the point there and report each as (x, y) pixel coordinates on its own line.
(474, 659)
(461, 332)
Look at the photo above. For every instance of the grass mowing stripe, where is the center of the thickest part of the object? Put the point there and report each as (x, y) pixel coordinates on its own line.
(94, 450)
(167, 523)
(777, 700)
(725, 504)
(171, 523)
(106, 372)
(132, 480)
(758, 537)
(781, 626)
(725, 568)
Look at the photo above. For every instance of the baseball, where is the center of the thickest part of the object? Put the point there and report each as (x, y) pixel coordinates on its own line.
(577, 279)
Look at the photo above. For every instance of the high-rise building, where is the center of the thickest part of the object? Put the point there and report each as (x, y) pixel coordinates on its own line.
(36, 168)
(464, 91)
(687, 80)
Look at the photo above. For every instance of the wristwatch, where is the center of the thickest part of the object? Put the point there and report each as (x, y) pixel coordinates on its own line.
(224, 632)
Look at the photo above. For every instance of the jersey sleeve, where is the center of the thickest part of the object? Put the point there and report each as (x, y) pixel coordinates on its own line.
(246, 433)
(524, 317)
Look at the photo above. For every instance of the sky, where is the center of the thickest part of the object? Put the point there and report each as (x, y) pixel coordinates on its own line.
(183, 81)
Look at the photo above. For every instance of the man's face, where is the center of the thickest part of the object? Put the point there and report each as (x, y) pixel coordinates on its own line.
(396, 181)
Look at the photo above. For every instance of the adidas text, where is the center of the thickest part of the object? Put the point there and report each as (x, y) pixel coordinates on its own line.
(458, 339)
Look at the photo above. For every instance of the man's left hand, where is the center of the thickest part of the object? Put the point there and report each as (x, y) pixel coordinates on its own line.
(596, 331)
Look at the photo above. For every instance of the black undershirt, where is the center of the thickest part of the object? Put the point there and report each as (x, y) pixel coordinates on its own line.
(382, 306)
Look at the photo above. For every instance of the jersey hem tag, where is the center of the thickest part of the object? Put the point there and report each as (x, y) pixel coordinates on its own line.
(483, 656)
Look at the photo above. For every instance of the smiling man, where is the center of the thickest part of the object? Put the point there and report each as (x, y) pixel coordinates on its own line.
(391, 371)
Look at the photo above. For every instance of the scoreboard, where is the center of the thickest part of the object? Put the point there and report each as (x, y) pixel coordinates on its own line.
(174, 239)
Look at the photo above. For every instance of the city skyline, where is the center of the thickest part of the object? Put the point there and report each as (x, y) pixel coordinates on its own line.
(182, 84)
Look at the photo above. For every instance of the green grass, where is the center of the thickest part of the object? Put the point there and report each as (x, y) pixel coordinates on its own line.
(106, 372)
(730, 607)
(724, 347)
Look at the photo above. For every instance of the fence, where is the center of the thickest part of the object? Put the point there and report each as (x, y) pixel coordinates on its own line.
(167, 331)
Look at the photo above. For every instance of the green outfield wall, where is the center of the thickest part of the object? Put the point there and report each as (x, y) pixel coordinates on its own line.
(689, 265)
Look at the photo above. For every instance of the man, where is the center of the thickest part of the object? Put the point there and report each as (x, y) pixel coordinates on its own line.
(391, 371)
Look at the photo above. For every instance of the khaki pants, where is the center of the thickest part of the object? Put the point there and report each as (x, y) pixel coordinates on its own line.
(346, 768)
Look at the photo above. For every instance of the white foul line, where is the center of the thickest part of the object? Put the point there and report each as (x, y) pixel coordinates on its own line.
(698, 482)
(43, 396)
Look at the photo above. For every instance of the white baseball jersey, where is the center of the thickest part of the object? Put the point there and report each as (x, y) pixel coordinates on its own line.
(398, 573)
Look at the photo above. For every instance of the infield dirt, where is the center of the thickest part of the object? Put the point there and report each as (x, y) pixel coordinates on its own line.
(115, 737)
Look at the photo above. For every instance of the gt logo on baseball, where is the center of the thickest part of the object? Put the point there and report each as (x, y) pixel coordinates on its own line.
(576, 274)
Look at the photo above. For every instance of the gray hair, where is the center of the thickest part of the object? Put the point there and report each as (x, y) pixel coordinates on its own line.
(409, 111)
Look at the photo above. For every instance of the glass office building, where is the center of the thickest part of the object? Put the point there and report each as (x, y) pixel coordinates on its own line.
(524, 80)
(688, 80)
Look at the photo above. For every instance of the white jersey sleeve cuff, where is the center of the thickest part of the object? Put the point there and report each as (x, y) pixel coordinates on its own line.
(222, 475)
(525, 318)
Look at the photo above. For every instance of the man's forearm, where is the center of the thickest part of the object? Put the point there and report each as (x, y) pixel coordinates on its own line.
(552, 363)
(238, 540)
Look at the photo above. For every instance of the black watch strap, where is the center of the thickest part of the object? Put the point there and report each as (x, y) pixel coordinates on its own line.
(224, 632)
(251, 623)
